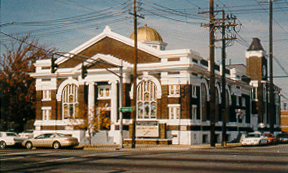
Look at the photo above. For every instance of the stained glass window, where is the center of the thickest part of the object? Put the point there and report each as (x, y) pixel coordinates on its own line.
(70, 101)
(147, 104)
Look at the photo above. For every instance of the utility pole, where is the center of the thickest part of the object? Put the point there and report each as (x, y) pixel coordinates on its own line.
(230, 37)
(213, 25)
(212, 74)
(271, 86)
(223, 97)
(121, 105)
(212, 71)
(133, 115)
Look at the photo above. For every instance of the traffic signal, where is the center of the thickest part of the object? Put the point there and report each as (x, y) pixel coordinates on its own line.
(54, 66)
(84, 71)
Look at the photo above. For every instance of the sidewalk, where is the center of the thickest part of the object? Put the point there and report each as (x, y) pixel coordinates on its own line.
(144, 147)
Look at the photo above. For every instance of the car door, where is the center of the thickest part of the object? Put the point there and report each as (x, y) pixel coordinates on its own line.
(48, 140)
(38, 141)
(10, 137)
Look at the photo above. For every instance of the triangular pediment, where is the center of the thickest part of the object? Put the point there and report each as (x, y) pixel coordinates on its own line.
(110, 43)
(101, 61)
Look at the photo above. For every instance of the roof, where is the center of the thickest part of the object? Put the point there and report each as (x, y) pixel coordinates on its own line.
(255, 45)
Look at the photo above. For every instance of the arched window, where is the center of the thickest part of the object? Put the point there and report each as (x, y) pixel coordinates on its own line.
(147, 104)
(203, 102)
(227, 107)
(217, 106)
(70, 101)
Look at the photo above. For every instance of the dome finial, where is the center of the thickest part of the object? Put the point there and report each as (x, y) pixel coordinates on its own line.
(146, 33)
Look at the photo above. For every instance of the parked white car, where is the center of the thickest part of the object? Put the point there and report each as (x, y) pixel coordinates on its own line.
(7, 139)
(26, 134)
(254, 138)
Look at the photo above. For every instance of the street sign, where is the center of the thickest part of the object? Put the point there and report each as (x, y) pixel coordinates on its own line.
(126, 109)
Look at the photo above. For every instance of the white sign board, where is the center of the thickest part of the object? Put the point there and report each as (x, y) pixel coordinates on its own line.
(147, 129)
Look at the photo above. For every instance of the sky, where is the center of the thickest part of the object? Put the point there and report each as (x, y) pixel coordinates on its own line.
(65, 24)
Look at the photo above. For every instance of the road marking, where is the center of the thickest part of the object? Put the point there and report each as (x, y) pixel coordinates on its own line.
(24, 153)
(118, 153)
(48, 161)
(13, 158)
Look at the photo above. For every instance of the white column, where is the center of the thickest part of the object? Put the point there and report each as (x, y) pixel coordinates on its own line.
(91, 104)
(113, 112)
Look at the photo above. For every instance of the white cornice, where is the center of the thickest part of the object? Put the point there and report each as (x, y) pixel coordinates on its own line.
(259, 54)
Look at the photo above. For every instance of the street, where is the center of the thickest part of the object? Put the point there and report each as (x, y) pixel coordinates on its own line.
(238, 159)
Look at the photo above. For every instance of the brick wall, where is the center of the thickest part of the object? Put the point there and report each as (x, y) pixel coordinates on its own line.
(185, 101)
(38, 105)
(284, 120)
(163, 111)
(53, 104)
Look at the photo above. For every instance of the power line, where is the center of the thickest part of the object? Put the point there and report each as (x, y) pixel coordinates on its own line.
(76, 19)
(192, 4)
(23, 41)
(179, 12)
(77, 4)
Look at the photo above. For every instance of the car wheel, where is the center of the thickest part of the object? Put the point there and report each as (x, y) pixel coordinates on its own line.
(2, 144)
(29, 145)
(260, 143)
(56, 145)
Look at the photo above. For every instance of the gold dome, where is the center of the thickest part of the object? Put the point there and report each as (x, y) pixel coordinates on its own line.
(146, 33)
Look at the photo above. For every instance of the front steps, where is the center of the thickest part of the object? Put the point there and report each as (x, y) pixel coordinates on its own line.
(98, 138)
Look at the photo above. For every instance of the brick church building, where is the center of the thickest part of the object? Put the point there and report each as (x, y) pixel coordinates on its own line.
(172, 91)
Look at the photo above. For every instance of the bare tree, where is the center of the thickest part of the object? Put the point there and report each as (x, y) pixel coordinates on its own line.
(92, 121)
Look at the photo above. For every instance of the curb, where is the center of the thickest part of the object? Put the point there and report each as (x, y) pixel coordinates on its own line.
(143, 147)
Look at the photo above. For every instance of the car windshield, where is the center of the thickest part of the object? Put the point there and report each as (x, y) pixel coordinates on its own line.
(268, 135)
(253, 136)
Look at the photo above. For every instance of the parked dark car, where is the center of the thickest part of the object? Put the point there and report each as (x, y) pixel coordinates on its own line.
(282, 138)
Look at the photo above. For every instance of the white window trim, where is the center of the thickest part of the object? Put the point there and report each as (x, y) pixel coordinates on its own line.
(104, 88)
(243, 102)
(149, 88)
(254, 93)
(44, 95)
(194, 91)
(237, 101)
(194, 112)
(264, 93)
(66, 93)
(170, 94)
(46, 109)
(174, 106)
